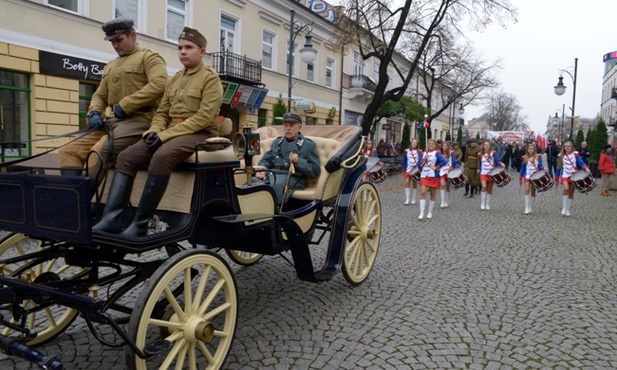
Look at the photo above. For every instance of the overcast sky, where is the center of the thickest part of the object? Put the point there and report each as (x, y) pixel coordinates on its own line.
(548, 36)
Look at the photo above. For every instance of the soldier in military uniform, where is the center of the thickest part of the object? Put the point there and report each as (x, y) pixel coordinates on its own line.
(293, 148)
(471, 168)
(132, 86)
(185, 117)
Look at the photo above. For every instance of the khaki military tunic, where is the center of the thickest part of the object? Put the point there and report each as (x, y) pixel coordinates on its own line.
(471, 166)
(191, 101)
(137, 82)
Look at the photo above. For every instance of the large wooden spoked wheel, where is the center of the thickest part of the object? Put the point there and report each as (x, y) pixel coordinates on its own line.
(243, 258)
(363, 234)
(48, 322)
(186, 314)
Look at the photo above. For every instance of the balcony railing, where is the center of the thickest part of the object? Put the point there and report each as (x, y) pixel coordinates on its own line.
(236, 68)
(360, 81)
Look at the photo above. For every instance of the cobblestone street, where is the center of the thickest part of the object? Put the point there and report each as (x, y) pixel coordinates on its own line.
(467, 289)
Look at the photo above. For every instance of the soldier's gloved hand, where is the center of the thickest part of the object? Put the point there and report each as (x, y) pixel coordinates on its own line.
(95, 120)
(153, 140)
(118, 112)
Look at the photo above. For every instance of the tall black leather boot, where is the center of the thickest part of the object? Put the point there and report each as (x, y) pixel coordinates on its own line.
(117, 201)
(150, 199)
(466, 190)
(471, 191)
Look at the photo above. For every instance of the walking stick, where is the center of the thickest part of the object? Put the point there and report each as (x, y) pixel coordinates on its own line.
(292, 170)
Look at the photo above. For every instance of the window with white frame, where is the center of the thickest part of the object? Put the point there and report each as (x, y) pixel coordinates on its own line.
(75, 6)
(129, 9)
(176, 18)
(310, 72)
(228, 34)
(358, 65)
(267, 50)
(329, 72)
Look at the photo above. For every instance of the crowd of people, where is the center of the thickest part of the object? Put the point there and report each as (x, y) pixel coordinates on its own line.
(486, 164)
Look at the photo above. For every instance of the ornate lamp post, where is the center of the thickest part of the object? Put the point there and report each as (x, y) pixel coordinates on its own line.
(560, 89)
(307, 53)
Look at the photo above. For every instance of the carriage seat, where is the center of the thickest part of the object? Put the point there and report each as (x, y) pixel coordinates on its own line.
(179, 191)
(329, 140)
(223, 150)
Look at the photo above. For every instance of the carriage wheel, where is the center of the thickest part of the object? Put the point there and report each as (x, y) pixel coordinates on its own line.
(243, 258)
(51, 321)
(363, 234)
(193, 329)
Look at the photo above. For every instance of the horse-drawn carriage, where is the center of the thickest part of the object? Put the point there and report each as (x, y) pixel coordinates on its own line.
(53, 268)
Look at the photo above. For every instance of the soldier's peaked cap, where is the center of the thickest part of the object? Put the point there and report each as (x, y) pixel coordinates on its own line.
(116, 27)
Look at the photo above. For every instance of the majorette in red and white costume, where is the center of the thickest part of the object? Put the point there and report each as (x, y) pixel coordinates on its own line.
(429, 178)
(411, 160)
(570, 163)
(487, 161)
(444, 191)
(528, 168)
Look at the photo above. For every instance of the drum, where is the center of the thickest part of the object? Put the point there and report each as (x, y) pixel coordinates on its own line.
(500, 176)
(541, 180)
(457, 178)
(378, 176)
(415, 174)
(583, 181)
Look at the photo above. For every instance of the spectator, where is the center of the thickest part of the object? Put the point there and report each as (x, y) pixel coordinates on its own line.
(607, 168)
(381, 147)
(552, 151)
(583, 151)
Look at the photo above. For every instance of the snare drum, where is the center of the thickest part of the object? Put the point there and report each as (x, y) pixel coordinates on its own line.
(378, 176)
(457, 178)
(541, 180)
(583, 181)
(415, 174)
(500, 176)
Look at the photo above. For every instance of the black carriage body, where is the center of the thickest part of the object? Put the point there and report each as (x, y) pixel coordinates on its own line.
(46, 207)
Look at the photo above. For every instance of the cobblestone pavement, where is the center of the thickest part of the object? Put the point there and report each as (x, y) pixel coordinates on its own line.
(468, 289)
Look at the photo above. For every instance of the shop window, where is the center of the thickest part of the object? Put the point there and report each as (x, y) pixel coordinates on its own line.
(15, 112)
(262, 117)
(85, 96)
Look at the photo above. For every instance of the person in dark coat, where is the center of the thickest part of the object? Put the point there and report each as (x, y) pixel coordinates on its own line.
(552, 150)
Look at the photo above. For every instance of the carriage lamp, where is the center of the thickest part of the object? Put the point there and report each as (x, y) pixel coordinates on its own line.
(246, 144)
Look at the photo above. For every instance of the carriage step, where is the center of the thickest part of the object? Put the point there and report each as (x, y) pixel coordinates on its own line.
(158, 347)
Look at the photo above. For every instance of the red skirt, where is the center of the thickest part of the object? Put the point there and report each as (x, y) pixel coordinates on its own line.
(430, 182)
(486, 178)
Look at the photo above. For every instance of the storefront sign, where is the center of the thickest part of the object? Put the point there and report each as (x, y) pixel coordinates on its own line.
(70, 67)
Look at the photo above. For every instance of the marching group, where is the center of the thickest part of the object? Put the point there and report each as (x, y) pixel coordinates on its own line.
(439, 167)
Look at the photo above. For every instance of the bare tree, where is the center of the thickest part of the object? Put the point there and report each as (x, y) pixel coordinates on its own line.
(503, 113)
(381, 28)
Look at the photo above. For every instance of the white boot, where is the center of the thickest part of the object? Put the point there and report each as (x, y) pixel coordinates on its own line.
(422, 206)
(568, 206)
(532, 200)
(431, 205)
(488, 201)
(407, 191)
(482, 199)
(447, 198)
(564, 200)
(414, 193)
(442, 195)
(527, 204)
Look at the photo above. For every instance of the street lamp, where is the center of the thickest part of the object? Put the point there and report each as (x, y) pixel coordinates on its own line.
(307, 53)
(560, 89)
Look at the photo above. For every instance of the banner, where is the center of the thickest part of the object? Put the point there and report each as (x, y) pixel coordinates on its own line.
(511, 136)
